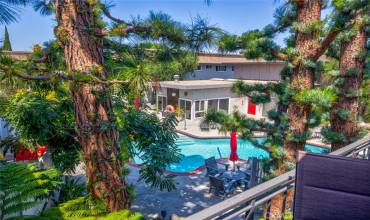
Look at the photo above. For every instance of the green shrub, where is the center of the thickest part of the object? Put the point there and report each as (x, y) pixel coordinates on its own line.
(86, 208)
(71, 189)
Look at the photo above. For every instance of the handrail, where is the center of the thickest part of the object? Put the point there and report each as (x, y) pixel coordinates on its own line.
(241, 201)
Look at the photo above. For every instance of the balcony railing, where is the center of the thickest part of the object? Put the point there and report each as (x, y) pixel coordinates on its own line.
(245, 204)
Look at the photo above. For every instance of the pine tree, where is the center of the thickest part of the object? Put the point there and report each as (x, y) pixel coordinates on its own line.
(304, 47)
(345, 111)
(6, 44)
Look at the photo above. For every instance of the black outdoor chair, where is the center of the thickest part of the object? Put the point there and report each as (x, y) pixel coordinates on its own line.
(251, 171)
(212, 166)
(331, 187)
(220, 187)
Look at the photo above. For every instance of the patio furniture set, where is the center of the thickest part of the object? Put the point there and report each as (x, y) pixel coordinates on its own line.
(223, 181)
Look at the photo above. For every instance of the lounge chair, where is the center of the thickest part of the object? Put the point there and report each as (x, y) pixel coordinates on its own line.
(212, 166)
(220, 187)
(204, 126)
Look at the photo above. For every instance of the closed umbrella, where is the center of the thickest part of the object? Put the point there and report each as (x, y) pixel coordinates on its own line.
(234, 147)
(137, 103)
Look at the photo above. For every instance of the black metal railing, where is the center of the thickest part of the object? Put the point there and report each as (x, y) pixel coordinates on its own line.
(245, 204)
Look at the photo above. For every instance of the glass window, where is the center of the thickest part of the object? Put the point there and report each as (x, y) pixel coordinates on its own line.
(224, 105)
(199, 67)
(208, 67)
(232, 68)
(162, 103)
(199, 108)
(213, 104)
(188, 109)
(220, 68)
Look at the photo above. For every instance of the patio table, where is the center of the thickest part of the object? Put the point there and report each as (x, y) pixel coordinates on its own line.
(233, 175)
(237, 178)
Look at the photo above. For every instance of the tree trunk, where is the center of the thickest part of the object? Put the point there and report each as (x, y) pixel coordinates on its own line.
(83, 51)
(351, 70)
(309, 12)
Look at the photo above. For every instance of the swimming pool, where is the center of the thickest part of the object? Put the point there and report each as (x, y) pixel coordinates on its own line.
(195, 151)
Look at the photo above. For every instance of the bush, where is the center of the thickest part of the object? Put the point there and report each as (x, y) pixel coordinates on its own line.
(85, 208)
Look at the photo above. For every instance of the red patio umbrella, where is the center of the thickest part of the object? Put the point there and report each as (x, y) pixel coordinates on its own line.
(234, 146)
(137, 103)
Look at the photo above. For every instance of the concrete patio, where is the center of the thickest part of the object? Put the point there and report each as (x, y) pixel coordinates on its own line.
(190, 196)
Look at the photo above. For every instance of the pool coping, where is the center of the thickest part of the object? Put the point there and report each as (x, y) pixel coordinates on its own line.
(195, 171)
(199, 169)
(323, 145)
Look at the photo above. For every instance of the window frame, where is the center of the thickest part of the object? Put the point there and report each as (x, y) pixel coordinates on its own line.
(218, 68)
(200, 111)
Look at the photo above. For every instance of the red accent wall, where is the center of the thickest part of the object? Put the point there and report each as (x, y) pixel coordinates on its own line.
(251, 107)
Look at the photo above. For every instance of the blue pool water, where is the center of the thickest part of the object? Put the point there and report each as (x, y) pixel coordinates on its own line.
(195, 151)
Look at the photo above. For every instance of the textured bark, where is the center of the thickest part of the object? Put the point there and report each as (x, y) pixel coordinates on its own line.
(93, 108)
(309, 12)
(348, 99)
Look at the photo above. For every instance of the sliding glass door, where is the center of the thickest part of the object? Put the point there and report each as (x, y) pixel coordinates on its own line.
(185, 106)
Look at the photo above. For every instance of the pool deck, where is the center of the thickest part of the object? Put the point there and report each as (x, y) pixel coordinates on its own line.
(190, 196)
(193, 130)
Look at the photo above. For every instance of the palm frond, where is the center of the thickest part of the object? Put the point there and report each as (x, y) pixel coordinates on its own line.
(44, 7)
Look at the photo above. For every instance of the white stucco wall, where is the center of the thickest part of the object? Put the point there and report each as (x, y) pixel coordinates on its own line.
(236, 102)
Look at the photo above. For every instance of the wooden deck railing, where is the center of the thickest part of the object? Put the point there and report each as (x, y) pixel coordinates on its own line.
(244, 205)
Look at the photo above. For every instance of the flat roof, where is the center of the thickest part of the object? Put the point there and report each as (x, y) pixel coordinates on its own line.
(206, 84)
(219, 58)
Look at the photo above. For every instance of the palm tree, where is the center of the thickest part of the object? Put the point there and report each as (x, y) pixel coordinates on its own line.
(228, 123)
(139, 78)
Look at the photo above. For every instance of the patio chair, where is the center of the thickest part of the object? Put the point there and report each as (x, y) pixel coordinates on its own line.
(331, 187)
(220, 187)
(212, 166)
(204, 126)
(251, 172)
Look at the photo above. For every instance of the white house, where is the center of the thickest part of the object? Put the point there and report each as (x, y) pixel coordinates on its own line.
(196, 97)
(209, 86)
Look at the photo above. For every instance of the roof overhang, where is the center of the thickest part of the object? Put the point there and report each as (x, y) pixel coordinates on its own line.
(206, 84)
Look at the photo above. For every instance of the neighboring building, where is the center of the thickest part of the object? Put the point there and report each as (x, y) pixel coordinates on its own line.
(196, 97)
(18, 55)
(235, 66)
(209, 87)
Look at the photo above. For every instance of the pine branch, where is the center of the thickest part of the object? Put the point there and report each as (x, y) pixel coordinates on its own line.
(64, 76)
(107, 13)
(325, 43)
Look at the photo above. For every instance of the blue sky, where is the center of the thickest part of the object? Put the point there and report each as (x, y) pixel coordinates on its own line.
(234, 16)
